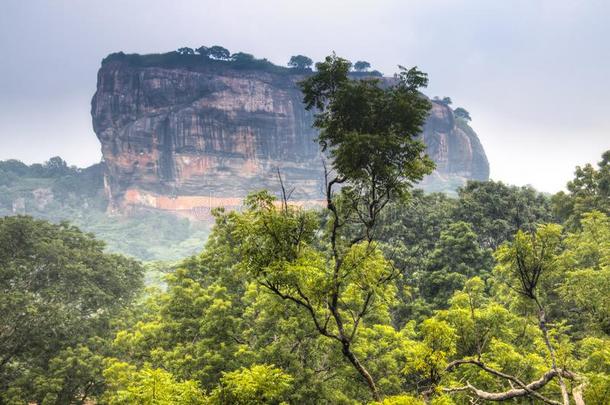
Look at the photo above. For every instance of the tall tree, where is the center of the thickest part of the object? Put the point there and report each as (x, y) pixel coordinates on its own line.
(526, 263)
(370, 134)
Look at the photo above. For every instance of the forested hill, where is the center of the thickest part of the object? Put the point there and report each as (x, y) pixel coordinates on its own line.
(57, 192)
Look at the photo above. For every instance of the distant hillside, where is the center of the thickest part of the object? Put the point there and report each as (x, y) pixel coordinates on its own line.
(57, 192)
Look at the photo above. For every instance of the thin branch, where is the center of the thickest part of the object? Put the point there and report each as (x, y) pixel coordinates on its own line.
(361, 314)
(285, 196)
(305, 304)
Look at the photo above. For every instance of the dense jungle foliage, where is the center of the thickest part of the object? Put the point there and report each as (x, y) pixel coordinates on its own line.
(387, 296)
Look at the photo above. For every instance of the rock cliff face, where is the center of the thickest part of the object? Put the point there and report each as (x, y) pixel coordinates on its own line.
(455, 148)
(188, 136)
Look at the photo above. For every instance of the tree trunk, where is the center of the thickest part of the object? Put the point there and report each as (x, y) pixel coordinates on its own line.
(545, 333)
(577, 395)
(363, 372)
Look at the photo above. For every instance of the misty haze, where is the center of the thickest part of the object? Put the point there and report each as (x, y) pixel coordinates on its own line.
(266, 202)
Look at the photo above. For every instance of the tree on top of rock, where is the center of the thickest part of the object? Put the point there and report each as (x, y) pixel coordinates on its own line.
(242, 57)
(218, 52)
(202, 50)
(444, 100)
(186, 51)
(361, 66)
(301, 62)
(462, 113)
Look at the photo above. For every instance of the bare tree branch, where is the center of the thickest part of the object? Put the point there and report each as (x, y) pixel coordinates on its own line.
(524, 390)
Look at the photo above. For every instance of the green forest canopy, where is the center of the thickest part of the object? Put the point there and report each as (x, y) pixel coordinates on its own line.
(389, 295)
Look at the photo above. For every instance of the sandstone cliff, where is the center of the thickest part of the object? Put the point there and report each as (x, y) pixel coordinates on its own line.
(186, 135)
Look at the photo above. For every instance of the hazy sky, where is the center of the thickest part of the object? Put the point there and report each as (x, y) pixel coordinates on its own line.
(535, 75)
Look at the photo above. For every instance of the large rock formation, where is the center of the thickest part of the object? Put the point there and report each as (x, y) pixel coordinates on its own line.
(184, 133)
